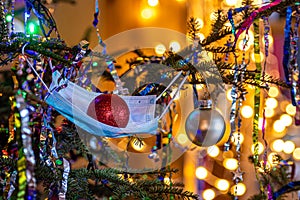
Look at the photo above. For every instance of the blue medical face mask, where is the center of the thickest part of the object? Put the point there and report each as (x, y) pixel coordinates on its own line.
(72, 102)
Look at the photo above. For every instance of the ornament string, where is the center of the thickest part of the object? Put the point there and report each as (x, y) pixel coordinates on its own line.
(286, 47)
(64, 182)
(110, 64)
(257, 91)
(247, 23)
(293, 63)
(26, 135)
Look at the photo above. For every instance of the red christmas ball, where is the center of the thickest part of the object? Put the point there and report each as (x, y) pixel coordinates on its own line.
(109, 109)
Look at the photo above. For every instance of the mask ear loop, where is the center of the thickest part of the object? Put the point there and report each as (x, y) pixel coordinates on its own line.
(178, 89)
(170, 84)
(31, 66)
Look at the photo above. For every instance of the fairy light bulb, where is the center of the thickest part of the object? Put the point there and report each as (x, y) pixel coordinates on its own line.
(222, 184)
(238, 189)
(278, 126)
(230, 163)
(208, 194)
(160, 49)
(201, 173)
(273, 91)
(289, 147)
(296, 154)
(271, 103)
(277, 145)
(174, 46)
(286, 119)
(247, 111)
(260, 148)
(290, 109)
(213, 151)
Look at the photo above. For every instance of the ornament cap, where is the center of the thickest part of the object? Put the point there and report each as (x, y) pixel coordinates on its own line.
(205, 104)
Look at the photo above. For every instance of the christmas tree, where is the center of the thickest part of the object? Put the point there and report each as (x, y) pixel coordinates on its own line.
(59, 129)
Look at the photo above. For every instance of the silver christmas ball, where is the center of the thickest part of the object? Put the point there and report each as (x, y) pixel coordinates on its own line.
(205, 127)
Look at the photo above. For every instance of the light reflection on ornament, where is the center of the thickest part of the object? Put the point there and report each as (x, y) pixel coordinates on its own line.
(137, 144)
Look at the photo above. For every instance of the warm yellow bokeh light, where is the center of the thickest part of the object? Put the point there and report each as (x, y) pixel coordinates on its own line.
(260, 123)
(213, 151)
(247, 111)
(286, 119)
(160, 49)
(201, 173)
(182, 138)
(237, 137)
(290, 109)
(222, 184)
(208, 194)
(296, 154)
(200, 22)
(289, 147)
(277, 145)
(201, 36)
(269, 112)
(271, 103)
(147, 13)
(273, 91)
(260, 148)
(174, 46)
(278, 126)
(238, 189)
(153, 2)
(230, 163)
(231, 2)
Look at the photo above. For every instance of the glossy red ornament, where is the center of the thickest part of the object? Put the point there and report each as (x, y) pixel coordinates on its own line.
(109, 109)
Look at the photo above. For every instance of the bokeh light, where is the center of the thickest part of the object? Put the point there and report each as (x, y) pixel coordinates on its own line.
(237, 137)
(208, 194)
(238, 189)
(273, 91)
(277, 145)
(296, 154)
(247, 111)
(271, 103)
(278, 126)
(213, 151)
(201, 173)
(174, 46)
(231, 2)
(160, 49)
(147, 13)
(269, 112)
(286, 119)
(230, 163)
(290, 109)
(222, 184)
(153, 3)
(260, 148)
(289, 147)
